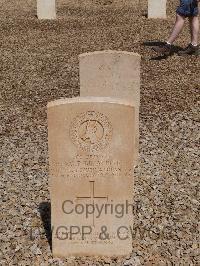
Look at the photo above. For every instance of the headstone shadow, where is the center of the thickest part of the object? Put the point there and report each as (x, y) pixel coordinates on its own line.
(45, 214)
(145, 14)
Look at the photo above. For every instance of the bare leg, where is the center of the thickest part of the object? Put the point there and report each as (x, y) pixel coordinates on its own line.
(194, 29)
(177, 28)
(167, 47)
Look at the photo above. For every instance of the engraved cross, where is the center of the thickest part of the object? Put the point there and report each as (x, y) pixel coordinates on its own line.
(92, 196)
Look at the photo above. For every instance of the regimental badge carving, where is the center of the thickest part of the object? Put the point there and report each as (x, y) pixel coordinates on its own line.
(91, 131)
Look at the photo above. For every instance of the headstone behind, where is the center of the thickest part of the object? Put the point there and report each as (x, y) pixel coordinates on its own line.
(112, 74)
(91, 163)
(46, 9)
(157, 8)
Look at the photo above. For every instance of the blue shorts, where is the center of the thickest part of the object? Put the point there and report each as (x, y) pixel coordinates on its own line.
(188, 8)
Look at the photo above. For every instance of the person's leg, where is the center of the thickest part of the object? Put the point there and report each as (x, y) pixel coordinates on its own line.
(193, 47)
(167, 46)
(177, 28)
(194, 30)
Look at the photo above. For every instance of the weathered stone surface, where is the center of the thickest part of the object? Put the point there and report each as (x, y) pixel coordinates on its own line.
(157, 8)
(46, 9)
(112, 74)
(91, 163)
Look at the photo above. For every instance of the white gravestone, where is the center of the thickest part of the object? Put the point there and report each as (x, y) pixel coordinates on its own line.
(113, 74)
(157, 9)
(91, 176)
(46, 9)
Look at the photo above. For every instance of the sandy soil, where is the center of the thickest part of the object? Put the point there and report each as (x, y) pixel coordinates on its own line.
(39, 63)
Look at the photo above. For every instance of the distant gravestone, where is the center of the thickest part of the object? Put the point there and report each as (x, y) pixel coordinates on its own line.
(91, 182)
(112, 74)
(46, 9)
(157, 8)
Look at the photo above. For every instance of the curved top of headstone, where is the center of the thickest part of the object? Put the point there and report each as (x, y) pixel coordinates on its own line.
(90, 100)
(110, 52)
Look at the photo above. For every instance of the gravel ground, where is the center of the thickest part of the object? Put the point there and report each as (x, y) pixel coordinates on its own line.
(39, 63)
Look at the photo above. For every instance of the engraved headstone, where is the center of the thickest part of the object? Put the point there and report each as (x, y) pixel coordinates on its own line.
(46, 9)
(91, 177)
(112, 74)
(157, 9)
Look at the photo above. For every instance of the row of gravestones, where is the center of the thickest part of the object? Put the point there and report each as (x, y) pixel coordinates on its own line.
(93, 148)
(46, 9)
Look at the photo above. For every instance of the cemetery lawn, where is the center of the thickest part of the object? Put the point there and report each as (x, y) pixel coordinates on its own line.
(39, 63)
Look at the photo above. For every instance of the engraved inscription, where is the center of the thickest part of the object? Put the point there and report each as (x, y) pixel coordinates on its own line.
(88, 167)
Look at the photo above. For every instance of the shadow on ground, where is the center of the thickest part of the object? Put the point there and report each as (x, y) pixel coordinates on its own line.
(152, 44)
(45, 214)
